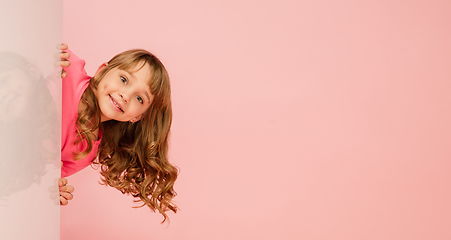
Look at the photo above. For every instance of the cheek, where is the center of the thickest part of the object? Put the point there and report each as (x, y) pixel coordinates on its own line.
(104, 87)
(140, 109)
(146, 107)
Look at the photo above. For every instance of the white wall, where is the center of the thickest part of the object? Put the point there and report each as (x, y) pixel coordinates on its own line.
(29, 122)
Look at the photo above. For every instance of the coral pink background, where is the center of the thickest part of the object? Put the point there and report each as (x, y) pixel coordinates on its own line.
(292, 119)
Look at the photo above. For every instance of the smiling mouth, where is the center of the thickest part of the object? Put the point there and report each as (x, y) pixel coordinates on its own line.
(115, 103)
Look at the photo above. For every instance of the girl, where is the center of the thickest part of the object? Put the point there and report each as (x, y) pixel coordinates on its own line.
(27, 119)
(120, 120)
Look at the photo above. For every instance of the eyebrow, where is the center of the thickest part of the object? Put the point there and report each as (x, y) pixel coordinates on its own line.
(134, 77)
(148, 97)
(130, 73)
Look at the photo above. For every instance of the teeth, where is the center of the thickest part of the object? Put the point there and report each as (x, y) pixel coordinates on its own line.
(117, 105)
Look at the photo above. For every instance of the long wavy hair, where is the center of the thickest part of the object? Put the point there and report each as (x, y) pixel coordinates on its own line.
(133, 158)
(33, 118)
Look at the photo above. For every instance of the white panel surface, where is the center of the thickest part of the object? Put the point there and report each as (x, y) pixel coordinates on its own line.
(30, 97)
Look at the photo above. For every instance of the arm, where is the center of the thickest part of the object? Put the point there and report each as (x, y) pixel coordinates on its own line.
(64, 189)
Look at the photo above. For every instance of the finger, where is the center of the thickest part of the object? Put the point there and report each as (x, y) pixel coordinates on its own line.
(65, 55)
(63, 201)
(66, 195)
(65, 63)
(61, 46)
(69, 189)
(54, 196)
(62, 182)
(63, 74)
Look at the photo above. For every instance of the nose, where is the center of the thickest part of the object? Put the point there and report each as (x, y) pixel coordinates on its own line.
(124, 97)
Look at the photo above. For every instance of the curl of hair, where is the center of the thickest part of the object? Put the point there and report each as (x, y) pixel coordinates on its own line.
(28, 166)
(88, 121)
(133, 158)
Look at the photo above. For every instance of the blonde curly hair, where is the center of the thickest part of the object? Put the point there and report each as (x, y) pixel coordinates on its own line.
(133, 158)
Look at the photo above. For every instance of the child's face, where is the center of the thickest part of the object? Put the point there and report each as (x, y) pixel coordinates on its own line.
(123, 95)
(15, 94)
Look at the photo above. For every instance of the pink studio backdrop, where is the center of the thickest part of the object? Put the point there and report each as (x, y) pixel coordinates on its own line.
(292, 119)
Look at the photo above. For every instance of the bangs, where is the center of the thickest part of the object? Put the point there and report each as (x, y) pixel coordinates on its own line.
(131, 65)
(136, 65)
(134, 60)
(9, 61)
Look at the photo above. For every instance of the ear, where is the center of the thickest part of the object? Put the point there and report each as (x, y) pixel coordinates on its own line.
(101, 68)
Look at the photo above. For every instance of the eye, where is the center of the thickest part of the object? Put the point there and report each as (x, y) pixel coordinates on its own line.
(140, 99)
(124, 80)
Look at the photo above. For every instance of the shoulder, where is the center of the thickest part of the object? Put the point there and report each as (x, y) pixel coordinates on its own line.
(77, 66)
(77, 78)
(73, 86)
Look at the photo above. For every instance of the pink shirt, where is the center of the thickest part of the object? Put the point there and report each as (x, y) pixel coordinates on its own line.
(74, 85)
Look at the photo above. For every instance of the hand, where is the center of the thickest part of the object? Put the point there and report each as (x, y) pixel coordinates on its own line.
(65, 191)
(64, 59)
